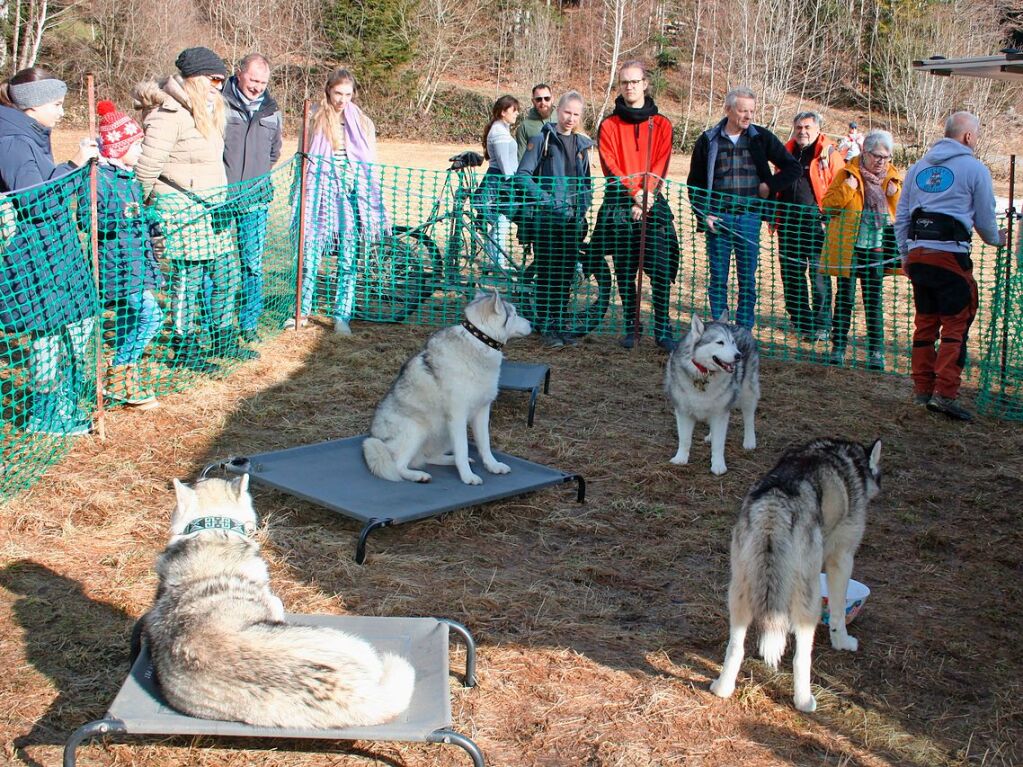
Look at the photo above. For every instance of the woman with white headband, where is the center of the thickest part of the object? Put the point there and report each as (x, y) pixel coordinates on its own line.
(46, 286)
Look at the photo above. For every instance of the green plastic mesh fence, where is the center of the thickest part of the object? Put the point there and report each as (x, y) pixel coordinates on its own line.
(188, 284)
(1001, 364)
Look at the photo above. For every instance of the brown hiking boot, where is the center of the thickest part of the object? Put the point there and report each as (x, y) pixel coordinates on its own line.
(123, 384)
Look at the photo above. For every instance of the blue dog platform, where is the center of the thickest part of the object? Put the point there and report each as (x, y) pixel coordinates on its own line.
(525, 376)
(334, 475)
(140, 710)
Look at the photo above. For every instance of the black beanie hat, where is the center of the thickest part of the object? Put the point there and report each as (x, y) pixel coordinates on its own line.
(200, 61)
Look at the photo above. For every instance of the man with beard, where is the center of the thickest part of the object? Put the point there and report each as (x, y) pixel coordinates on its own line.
(634, 221)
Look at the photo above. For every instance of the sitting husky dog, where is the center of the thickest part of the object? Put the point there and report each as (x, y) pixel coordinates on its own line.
(714, 369)
(451, 383)
(807, 514)
(222, 647)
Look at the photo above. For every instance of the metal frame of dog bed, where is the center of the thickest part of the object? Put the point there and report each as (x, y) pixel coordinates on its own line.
(525, 376)
(138, 708)
(333, 475)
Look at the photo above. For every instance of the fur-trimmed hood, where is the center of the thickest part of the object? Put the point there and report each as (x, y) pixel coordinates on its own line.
(168, 93)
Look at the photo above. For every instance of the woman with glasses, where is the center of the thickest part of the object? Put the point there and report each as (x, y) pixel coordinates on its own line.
(182, 174)
(861, 204)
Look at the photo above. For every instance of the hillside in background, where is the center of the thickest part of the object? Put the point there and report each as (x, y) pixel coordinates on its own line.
(431, 68)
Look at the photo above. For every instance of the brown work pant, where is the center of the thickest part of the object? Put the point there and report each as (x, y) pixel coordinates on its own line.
(945, 295)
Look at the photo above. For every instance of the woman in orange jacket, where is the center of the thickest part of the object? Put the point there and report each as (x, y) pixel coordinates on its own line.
(861, 200)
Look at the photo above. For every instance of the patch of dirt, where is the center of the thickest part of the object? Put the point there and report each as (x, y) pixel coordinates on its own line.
(599, 625)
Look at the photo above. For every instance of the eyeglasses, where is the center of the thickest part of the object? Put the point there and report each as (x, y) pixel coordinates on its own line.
(630, 83)
(542, 98)
(880, 157)
(216, 80)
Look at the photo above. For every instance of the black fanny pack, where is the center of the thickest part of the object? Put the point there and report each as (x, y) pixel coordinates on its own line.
(926, 225)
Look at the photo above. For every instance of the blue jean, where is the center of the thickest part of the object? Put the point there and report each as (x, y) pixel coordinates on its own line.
(139, 319)
(738, 232)
(345, 245)
(250, 229)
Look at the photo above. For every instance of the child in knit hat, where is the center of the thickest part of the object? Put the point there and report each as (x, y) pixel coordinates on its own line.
(129, 271)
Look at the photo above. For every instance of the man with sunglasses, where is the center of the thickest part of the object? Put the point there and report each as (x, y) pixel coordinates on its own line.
(540, 113)
(948, 194)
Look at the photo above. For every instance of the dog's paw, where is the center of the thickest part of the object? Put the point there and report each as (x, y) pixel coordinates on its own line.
(707, 438)
(498, 468)
(276, 608)
(807, 705)
(721, 688)
(749, 444)
(844, 642)
(419, 476)
(680, 459)
(718, 468)
(472, 479)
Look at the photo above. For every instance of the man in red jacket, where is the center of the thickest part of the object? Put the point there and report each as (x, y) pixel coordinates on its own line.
(634, 220)
(801, 228)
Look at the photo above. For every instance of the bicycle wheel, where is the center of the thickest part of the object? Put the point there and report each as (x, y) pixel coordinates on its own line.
(588, 300)
(396, 275)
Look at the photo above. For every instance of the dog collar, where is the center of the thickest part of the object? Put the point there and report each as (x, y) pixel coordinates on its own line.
(478, 334)
(217, 523)
(703, 371)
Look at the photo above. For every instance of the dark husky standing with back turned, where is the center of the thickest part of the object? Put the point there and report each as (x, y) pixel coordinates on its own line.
(808, 513)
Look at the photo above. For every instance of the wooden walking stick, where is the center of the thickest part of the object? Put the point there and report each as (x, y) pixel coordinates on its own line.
(1010, 214)
(643, 225)
(90, 87)
(303, 163)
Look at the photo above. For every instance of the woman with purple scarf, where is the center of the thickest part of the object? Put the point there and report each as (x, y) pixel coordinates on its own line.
(343, 197)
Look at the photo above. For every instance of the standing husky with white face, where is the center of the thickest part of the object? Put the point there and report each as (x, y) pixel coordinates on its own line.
(806, 515)
(714, 369)
(451, 383)
(222, 646)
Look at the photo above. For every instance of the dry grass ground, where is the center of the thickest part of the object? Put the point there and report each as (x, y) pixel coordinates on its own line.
(600, 625)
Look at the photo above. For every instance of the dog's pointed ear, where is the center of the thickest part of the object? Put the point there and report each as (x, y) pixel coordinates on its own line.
(241, 485)
(184, 494)
(696, 326)
(875, 455)
(722, 318)
(187, 502)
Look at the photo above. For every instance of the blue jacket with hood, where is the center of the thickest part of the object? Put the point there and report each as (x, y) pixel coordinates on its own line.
(45, 279)
(950, 180)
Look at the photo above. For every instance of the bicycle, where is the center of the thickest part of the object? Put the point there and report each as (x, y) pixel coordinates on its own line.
(407, 267)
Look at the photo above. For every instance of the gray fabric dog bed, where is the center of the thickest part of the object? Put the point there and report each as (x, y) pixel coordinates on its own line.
(525, 376)
(334, 475)
(139, 709)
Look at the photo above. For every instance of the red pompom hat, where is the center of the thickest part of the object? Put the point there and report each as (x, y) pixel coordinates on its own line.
(117, 131)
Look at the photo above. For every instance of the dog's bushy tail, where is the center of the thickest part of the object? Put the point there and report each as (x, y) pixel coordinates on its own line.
(379, 459)
(769, 561)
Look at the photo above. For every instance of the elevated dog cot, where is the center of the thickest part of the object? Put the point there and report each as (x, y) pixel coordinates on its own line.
(525, 376)
(139, 710)
(334, 475)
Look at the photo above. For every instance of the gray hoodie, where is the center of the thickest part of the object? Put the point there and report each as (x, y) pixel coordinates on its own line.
(948, 179)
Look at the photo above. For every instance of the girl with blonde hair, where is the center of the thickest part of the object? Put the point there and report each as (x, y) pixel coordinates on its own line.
(343, 197)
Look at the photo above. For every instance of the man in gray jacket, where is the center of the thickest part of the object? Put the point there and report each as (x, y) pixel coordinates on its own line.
(252, 144)
(946, 195)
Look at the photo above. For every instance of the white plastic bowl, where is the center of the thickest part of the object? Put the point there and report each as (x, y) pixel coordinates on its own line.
(855, 597)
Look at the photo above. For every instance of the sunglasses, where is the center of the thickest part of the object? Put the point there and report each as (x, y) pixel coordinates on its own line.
(542, 98)
(216, 80)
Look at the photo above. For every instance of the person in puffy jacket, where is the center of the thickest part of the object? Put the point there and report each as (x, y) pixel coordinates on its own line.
(182, 175)
(46, 284)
